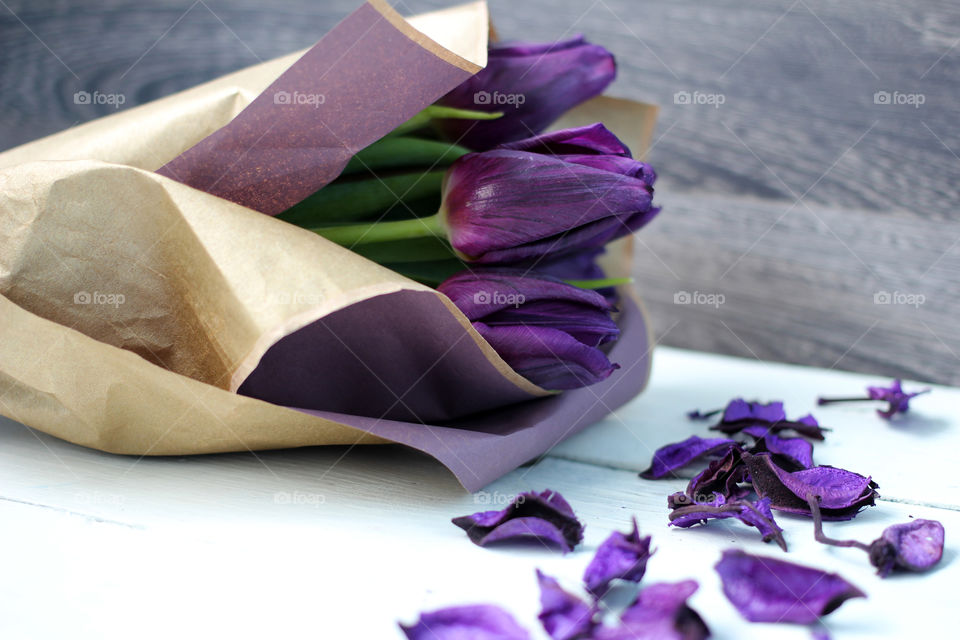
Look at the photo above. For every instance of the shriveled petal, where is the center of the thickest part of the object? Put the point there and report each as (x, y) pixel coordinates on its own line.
(545, 516)
(843, 493)
(622, 556)
(797, 451)
(912, 546)
(721, 477)
(740, 409)
(563, 615)
(592, 139)
(768, 590)
(548, 357)
(659, 613)
(898, 400)
(472, 622)
(756, 514)
(532, 85)
(493, 214)
(679, 454)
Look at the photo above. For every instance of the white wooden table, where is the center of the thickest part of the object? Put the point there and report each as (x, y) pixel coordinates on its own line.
(317, 544)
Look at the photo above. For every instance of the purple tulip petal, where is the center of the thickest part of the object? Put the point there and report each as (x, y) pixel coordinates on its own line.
(679, 454)
(843, 493)
(563, 615)
(755, 514)
(797, 451)
(532, 84)
(481, 292)
(472, 622)
(592, 139)
(768, 590)
(660, 612)
(622, 556)
(548, 357)
(912, 546)
(494, 216)
(545, 516)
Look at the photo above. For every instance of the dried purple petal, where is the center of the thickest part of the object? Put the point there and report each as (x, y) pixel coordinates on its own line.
(563, 615)
(768, 590)
(755, 514)
(696, 414)
(740, 414)
(897, 399)
(622, 556)
(740, 409)
(787, 452)
(911, 546)
(544, 516)
(722, 476)
(843, 493)
(476, 622)
(660, 612)
(679, 454)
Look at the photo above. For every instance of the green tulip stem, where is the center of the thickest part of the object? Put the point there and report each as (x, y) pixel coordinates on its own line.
(602, 283)
(358, 234)
(423, 118)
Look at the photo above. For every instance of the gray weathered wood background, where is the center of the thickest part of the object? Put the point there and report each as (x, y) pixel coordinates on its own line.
(795, 194)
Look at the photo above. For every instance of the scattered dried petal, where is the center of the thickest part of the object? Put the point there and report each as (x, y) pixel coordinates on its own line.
(755, 514)
(911, 546)
(660, 612)
(563, 615)
(741, 414)
(842, 493)
(622, 556)
(722, 476)
(545, 516)
(679, 454)
(791, 454)
(768, 590)
(897, 399)
(476, 622)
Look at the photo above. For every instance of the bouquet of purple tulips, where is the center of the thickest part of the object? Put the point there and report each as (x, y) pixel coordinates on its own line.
(471, 197)
(378, 239)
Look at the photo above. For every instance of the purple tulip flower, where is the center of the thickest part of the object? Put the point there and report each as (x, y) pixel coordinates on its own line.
(532, 84)
(547, 330)
(557, 193)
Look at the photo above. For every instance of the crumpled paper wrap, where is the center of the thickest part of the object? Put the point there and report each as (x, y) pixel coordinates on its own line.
(134, 306)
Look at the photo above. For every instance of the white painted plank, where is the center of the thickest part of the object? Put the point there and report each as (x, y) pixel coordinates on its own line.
(208, 552)
(913, 457)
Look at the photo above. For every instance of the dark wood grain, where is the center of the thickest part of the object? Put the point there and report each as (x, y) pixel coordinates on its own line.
(797, 199)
